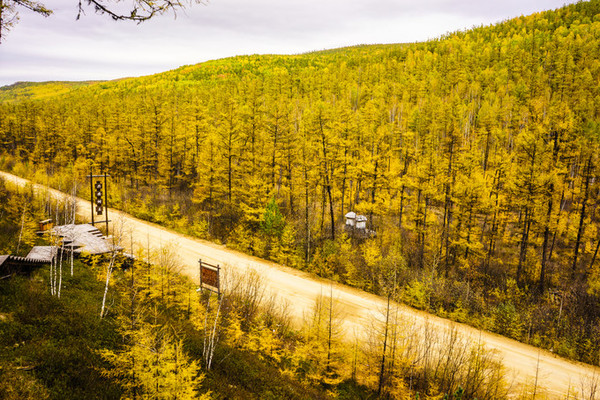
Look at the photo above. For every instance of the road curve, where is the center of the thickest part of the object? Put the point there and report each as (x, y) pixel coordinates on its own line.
(556, 376)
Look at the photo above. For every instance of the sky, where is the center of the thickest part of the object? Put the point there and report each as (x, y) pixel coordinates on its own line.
(95, 47)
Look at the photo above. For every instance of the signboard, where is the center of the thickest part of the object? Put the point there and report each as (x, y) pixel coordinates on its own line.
(97, 191)
(209, 277)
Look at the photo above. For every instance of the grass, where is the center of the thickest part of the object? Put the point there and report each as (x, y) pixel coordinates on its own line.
(48, 345)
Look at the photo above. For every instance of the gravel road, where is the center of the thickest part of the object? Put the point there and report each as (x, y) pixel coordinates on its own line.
(557, 378)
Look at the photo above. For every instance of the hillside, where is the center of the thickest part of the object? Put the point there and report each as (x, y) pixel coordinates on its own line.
(426, 354)
(38, 90)
(474, 158)
(150, 342)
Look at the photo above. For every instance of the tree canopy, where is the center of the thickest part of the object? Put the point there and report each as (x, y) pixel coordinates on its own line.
(475, 158)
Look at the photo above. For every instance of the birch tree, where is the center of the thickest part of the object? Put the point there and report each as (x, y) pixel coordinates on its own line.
(118, 231)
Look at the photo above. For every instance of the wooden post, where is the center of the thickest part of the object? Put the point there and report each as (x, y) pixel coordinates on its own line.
(92, 192)
(218, 281)
(200, 272)
(105, 201)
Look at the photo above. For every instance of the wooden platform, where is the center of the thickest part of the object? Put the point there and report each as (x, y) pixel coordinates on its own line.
(84, 238)
(11, 265)
(44, 253)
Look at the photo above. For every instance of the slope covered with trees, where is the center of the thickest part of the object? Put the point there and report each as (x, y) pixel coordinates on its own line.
(159, 338)
(34, 90)
(475, 157)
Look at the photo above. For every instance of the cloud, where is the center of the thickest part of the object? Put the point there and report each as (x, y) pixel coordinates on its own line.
(96, 47)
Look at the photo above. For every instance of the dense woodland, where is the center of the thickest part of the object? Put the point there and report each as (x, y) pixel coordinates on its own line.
(475, 157)
(158, 338)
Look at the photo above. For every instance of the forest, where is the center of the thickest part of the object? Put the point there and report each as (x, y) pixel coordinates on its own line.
(157, 337)
(474, 157)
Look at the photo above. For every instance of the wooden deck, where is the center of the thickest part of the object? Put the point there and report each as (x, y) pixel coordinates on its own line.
(11, 265)
(44, 253)
(85, 238)
(81, 238)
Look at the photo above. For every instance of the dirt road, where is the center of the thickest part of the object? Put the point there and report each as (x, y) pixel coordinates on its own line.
(557, 378)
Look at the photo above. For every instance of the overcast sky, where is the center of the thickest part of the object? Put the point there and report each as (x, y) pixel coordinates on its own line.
(96, 47)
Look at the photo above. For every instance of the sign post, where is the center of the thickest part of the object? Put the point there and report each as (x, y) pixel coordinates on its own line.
(210, 277)
(97, 191)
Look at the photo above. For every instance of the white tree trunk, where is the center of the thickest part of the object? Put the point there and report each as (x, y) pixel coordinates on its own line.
(73, 215)
(118, 229)
(210, 340)
(109, 269)
(21, 231)
(60, 262)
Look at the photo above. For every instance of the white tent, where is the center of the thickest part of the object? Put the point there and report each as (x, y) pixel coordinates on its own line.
(350, 218)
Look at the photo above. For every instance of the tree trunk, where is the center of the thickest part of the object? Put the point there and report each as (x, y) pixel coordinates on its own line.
(582, 216)
(542, 282)
(327, 177)
(109, 269)
(385, 337)
(445, 242)
(524, 244)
